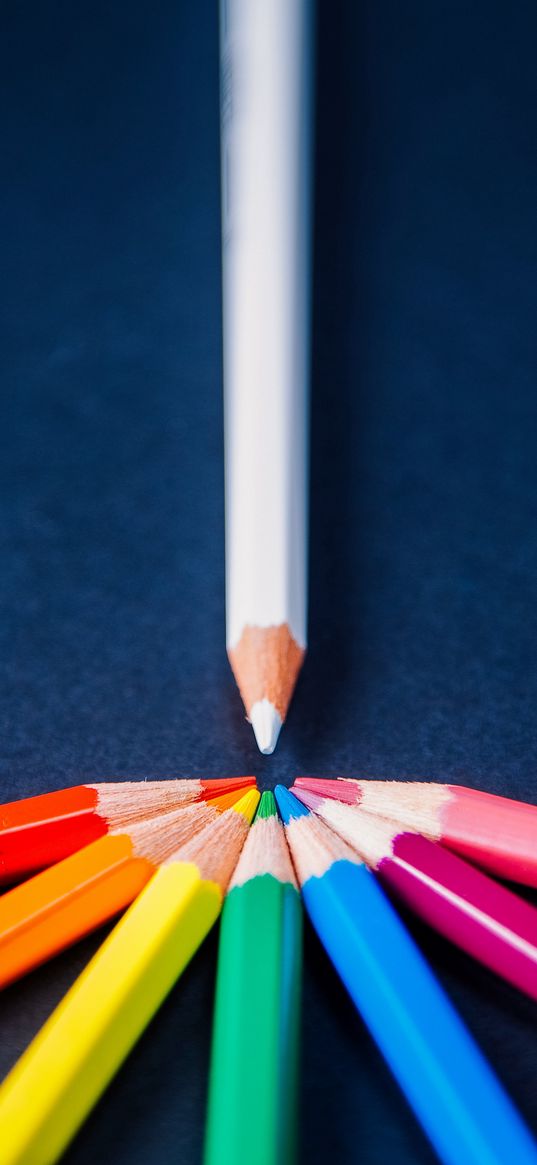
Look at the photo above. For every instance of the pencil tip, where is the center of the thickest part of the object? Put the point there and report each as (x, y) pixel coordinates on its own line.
(266, 723)
(247, 804)
(267, 805)
(311, 800)
(265, 662)
(288, 805)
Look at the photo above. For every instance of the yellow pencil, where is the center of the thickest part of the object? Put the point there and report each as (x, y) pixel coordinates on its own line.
(56, 1082)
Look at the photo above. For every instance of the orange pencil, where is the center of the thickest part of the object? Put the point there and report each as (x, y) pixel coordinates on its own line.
(70, 899)
(37, 831)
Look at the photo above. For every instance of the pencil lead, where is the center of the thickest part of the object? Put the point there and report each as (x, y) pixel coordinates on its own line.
(267, 806)
(309, 799)
(266, 723)
(247, 804)
(288, 805)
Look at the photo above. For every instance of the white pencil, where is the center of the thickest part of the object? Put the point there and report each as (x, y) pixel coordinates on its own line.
(266, 132)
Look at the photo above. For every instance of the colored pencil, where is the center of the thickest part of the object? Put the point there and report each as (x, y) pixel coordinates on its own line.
(494, 832)
(266, 132)
(37, 831)
(53, 1087)
(453, 1091)
(478, 914)
(254, 1063)
(68, 900)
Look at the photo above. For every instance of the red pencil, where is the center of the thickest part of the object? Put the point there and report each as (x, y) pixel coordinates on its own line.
(37, 831)
(68, 900)
(494, 832)
(471, 909)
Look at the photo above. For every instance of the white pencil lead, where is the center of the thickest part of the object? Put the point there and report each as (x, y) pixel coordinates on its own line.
(266, 724)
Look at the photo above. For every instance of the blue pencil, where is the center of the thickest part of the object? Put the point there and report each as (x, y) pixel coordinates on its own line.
(446, 1079)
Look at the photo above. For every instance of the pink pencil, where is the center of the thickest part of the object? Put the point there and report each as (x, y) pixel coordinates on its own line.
(472, 910)
(495, 832)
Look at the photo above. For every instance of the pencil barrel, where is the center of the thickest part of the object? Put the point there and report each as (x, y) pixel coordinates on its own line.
(254, 1063)
(472, 910)
(80, 1048)
(66, 902)
(495, 832)
(29, 843)
(460, 1103)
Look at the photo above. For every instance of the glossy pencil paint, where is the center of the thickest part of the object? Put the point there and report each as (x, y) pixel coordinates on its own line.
(480, 915)
(65, 902)
(57, 1081)
(253, 1086)
(37, 831)
(453, 1091)
(496, 833)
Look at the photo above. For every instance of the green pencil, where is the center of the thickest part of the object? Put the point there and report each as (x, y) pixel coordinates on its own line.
(251, 1117)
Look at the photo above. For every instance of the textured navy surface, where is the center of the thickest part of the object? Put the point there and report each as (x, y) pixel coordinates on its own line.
(423, 615)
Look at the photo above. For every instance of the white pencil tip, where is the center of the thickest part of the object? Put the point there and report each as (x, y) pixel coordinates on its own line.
(266, 723)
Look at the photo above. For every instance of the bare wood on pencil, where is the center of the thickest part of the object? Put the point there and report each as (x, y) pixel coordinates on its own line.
(158, 837)
(214, 849)
(266, 662)
(122, 802)
(265, 852)
(315, 847)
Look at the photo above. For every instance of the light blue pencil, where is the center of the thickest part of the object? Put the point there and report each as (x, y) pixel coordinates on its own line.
(446, 1079)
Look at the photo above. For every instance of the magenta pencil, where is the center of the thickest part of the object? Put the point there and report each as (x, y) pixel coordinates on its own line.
(488, 921)
(495, 832)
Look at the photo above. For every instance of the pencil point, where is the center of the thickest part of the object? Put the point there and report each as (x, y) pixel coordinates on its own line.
(266, 662)
(289, 806)
(267, 806)
(309, 799)
(266, 723)
(248, 804)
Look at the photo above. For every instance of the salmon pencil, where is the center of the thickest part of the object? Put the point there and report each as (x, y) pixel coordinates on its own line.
(494, 832)
(60, 905)
(37, 831)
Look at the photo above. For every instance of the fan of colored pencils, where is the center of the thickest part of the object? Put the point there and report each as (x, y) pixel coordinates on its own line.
(172, 853)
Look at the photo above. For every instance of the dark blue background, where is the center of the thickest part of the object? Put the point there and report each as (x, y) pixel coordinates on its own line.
(424, 474)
